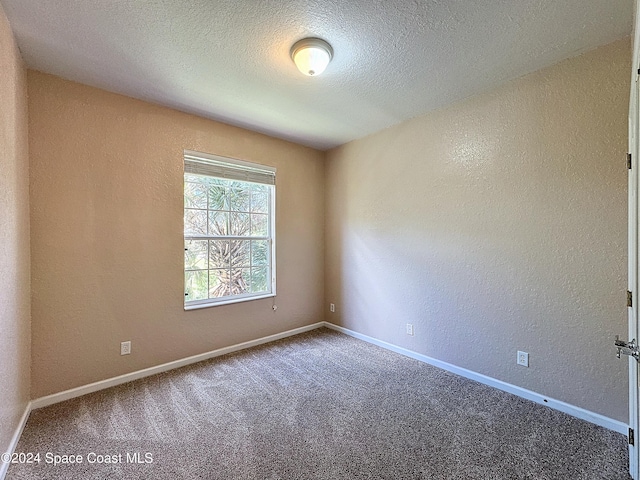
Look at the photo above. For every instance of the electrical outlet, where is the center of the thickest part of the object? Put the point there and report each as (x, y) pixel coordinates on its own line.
(523, 358)
(332, 307)
(410, 329)
(125, 348)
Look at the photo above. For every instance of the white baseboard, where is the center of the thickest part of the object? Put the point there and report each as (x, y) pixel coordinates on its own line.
(128, 377)
(577, 412)
(572, 410)
(4, 467)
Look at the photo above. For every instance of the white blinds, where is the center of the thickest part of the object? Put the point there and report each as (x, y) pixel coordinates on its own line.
(223, 167)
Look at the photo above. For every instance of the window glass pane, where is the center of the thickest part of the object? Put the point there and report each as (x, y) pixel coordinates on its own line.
(246, 278)
(239, 224)
(195, 254)
(219, 254)
(195, 195)
(195, 283)
(217, 195)
(240, 253)
(259, 225)
(218, 283)
(191, 177)
(223, 182)
(239, 197)
(239, 282)
(195, 222)
(259, 199)
(259, 253)
(218, 223)
(259, 279)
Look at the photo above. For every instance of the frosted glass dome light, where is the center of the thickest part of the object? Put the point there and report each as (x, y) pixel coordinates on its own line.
(311, 55)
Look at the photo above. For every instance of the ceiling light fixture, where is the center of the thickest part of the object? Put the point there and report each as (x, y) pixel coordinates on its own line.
(311, 55)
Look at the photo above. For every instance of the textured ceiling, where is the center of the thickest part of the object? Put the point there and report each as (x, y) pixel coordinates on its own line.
(229, 59)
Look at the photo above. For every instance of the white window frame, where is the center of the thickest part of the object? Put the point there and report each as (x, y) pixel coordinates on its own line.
(217, 166)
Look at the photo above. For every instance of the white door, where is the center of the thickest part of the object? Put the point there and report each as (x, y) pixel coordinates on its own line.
(634, 122)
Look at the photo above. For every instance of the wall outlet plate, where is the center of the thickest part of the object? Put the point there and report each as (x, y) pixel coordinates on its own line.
(332, 307)
(523, 358)
(410, 329)
(125, 348)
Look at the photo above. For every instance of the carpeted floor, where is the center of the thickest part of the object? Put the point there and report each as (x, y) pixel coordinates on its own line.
(320, 405)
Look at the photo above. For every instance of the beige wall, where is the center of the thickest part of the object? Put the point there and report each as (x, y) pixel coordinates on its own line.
(107, 245)
(496, 225)
(14, 237)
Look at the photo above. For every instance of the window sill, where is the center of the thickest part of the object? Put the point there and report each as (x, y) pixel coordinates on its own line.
(230, 301)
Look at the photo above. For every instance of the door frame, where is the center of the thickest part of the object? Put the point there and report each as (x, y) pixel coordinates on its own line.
(634, 267)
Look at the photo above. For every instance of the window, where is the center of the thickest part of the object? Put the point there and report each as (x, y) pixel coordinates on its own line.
(229, 229)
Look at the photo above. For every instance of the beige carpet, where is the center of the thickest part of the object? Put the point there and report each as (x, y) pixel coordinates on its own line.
(320, 405)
